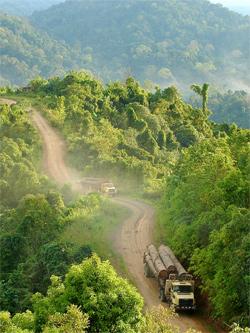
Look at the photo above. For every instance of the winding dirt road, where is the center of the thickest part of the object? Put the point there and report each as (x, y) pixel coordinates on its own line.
(134, 234)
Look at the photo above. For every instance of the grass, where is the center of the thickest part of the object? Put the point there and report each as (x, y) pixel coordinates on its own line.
(97, 231)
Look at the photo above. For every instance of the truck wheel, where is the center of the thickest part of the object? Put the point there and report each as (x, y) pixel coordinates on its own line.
(162, 295)
(168, 301)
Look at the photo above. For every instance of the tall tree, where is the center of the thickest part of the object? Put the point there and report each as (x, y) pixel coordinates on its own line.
(203, 92)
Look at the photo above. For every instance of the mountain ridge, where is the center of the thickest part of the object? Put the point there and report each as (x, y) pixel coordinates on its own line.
(165, 42)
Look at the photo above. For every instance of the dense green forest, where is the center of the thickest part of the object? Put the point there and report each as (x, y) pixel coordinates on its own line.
(144, 137)
(27, 52)
(160, 146)
(40, 290)
(205, 209)
(228, 107)
(35, 217)
(231, 107)
(163, 41)
(121, 129)
(128, 122)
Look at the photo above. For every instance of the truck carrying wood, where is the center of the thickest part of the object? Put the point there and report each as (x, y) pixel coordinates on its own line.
(100, 185)
(176, 286)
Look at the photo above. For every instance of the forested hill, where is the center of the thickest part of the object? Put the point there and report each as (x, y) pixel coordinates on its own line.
(27, 52)
(25, 7)
(148, 143)
(164, 41)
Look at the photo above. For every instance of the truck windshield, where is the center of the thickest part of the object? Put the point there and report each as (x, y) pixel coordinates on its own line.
(182, 289)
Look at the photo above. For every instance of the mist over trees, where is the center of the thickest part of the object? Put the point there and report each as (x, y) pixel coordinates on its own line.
(25, 7)
(163, 42)
(27, 52)
(129, 122)
(155, 141)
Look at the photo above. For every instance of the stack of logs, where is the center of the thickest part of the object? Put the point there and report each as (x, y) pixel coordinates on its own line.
(163, 262)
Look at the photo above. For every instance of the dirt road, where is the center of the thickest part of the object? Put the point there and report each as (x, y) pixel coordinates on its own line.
(7, 101)
(134, 234)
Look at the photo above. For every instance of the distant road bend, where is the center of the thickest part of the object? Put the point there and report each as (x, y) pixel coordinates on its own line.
(135, 232)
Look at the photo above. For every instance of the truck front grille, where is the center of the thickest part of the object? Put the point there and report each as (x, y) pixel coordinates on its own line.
(185, 302)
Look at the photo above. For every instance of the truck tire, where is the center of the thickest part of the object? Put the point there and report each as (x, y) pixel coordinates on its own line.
(162, 295)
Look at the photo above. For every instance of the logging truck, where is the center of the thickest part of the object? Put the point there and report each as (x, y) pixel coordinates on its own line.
(176, 286)
(100, 185)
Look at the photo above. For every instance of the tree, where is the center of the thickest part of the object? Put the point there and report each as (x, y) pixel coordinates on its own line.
(71, 322)
(7, 326)
(158, 320)
(111, 303)
(12, 251)
(147, 141)
(186, 135)
(203, 92)
(38, 221)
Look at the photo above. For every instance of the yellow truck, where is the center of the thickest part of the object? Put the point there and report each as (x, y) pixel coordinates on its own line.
(176, 286)
(100, 185)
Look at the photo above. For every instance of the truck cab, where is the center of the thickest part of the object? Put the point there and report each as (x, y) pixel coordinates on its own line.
(108, 188)
(181, 294)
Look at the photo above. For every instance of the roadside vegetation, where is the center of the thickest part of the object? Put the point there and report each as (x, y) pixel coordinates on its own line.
(153, 141)
(37, 217)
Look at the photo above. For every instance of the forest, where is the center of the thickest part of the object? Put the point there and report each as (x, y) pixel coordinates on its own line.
(196, 41)
(168, 42)
(151, 143)
(227, 107)
(27, 52)
(153, 97)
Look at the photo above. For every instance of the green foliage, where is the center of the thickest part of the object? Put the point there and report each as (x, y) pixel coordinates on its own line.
(92, 298)
(147, 141)
(205, 209)
(161, 139)
(196, 41)
(226, 276)
(158, 319)
(121, 129)
(72, 321)
(112, 305)
(33, 214)
(227, 107)
(186, 135)
(231, 107)
(27, 52)
(7, 326)
(137, 137)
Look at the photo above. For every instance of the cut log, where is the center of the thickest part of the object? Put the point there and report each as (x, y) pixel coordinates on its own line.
(167, 261)
(150, 266)
(157, 262)
(182, 273)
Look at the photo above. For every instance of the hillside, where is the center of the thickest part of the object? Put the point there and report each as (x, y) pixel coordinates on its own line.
(228, 107)
(25, 7)
(27, 52)
(162, 41)
(149, 143)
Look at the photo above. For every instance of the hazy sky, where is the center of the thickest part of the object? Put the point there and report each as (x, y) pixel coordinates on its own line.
(233, 3)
